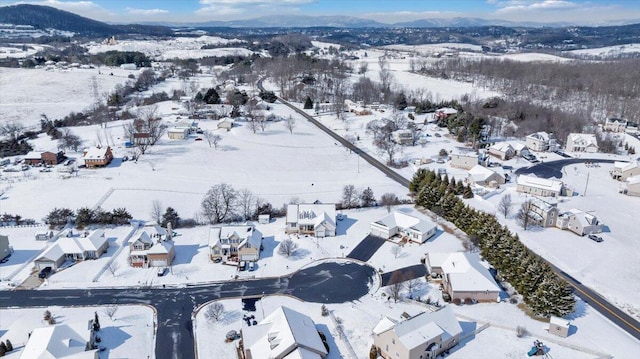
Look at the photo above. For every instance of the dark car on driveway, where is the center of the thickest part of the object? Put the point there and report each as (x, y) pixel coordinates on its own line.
(45, 272)
(595, 238)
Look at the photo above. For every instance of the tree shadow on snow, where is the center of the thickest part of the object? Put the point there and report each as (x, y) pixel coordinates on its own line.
(185, 253)
(299, 254)
(269, 245)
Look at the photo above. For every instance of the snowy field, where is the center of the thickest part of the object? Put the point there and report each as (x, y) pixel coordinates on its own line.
(129, 334)
(499, 340)
(609, 51)
(29, 93)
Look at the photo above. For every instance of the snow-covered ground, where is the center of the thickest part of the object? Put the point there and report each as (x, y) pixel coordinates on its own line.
(609, 51)
(130, 333)
(499, 340)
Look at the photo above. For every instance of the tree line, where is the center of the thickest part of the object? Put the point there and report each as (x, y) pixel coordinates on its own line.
(543, 291)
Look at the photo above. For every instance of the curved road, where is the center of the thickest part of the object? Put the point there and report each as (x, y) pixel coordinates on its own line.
(548, 169)
(324, 283)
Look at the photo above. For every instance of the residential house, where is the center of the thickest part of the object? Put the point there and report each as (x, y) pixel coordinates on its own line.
(623, 170)
(236, 243)
(151, 251)
(283, 334)
(226, 123)
(582, 142)
(97, 156)
(402, 137)
(541, 142)
(74, 247)
(579, 222)
(632, 186)
(614, 125)
(72, 341)
(539, 186)
(176, 133)
(5, 248)
(544, 212)
(464, 278)
(502, 150)
(44, 235)
(424, 336)
(485, 176)
(466, 160)
(314, 219)
(264, 219)
(559, 326)
(398, 223)
(445, 112)
(44, 157)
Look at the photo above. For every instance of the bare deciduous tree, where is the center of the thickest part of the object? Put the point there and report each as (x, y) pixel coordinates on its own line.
(11, 129)
(389, 200)
(394, 286)
(111, 311)
(349, 196)
(219, 202)
(411, 283)
(385, 145)
(505, 204)
(156, 211)
(524, 217)
(246, 203)
(362, 68)
(290, 123)
(113, 267)
(396, 250)
(214, 312)
(69, 140)
(287, 247)
(212, 138)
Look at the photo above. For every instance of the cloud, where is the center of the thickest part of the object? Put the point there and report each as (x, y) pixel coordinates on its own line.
(240, 3)
(528, 5)
(146, 12)
(404, 16)
(236, 9)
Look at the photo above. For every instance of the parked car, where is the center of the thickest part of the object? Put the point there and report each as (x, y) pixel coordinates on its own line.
(242, 265)
(198, 139)
(45, 272)
(252, 266)
(593, 237)
(162, 271)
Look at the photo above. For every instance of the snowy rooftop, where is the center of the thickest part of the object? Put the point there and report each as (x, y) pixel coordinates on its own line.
(242, 233)
(537, 182)
(559, 322)
(96, 153)
(58, 341)
(311, 213)
(543, 136)
(465, 271)
(405, 221)
(582, 139)
(481, 173)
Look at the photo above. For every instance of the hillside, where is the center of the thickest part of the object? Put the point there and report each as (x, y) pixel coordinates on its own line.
(44, 17)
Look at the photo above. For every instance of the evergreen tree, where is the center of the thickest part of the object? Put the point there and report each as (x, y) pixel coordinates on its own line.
(96, 322)
(367, 198)
(459, 187)
(308, 103)
(211, 97)
(3, 349)
(84, 217)
(400, 102)
(467, 192)
(9, 346)
(199, 98)
(171, 216)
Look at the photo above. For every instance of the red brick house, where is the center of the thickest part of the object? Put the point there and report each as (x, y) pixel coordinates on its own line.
(97, 157)
(46, 157)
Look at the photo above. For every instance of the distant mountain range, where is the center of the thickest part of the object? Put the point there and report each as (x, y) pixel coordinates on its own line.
(43, 17)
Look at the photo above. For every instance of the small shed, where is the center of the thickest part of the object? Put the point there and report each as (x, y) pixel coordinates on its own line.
(264, 219)
(44, 235)
(559, 326)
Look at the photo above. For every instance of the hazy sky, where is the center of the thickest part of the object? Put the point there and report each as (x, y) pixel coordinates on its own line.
(588, 12)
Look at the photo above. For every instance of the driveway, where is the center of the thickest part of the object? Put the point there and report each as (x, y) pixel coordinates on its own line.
(411, 272)
(554, 168)
(366, 248)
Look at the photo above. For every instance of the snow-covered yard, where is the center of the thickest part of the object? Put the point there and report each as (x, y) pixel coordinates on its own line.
(130, 333)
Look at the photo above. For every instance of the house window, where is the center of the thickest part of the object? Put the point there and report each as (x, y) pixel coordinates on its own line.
(393, 341)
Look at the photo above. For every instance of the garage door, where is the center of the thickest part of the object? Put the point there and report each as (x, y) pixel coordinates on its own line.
(159, 263)
(248, 257)
(379, 233)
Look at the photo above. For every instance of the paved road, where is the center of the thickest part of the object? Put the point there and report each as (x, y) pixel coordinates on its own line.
(366, 248)
(324, 283)
(554, 168)
(548, 169)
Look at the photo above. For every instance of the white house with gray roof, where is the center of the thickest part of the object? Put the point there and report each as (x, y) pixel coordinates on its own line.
(398, 223)
(61, 341)
(283, 334)
(75, 247)
(314, 219)
(240, 243)
(539, 186)
(464, 277)
(424, 336)
(582, 142)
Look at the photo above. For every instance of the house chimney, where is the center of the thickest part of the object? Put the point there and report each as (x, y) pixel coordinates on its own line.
(169, 231)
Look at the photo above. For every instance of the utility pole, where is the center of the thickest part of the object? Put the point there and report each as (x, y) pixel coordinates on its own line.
(585, 185)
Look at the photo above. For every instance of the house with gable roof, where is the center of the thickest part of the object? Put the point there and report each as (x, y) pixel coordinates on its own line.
(614, 125)
(398, 223)
(74, 247)
(623, 170)
(464, 277)
(314, 219)
(485, 176)
(579, 222)
(582, 142)
(424, 336)
(632, 186)
(238, 243)
(283, 334)
(502, 150)
(62, 341)
(541, 142)
(97, 156)
(151, 250)
(539, 186)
